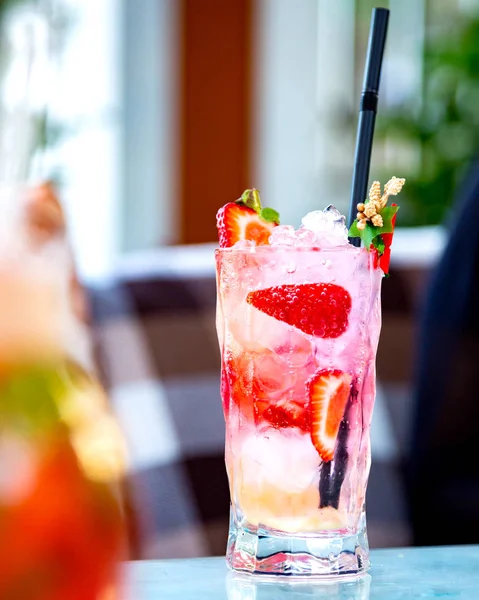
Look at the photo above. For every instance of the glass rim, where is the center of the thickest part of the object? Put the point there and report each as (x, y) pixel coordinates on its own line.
(268, 249)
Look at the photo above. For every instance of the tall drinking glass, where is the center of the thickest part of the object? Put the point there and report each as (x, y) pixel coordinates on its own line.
(298, 330)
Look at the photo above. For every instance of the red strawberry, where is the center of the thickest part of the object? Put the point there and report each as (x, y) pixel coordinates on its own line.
(319, 309)
(286, 414)
(238, 222)
(385, 259)
(236, 383)
(328, 395)
(245, 383)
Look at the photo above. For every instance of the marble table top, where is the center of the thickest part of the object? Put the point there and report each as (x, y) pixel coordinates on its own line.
(396, 574)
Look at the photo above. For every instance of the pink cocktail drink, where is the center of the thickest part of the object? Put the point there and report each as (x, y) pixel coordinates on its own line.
(298, 322)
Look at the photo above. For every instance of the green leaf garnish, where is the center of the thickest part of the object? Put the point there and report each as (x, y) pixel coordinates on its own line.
(378, 243)
(367, 234)
(371, 232)
(387, 214)
(251, 199)
(270, 215)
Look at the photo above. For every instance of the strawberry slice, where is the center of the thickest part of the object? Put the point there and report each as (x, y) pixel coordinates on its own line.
(236, 384)
(236, 222)
(319, 309)
(245, 219)
(328, 395)
(287, 414)
(245, 383)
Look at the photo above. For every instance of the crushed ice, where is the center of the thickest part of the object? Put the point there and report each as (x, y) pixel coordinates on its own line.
(283, 235)
(286, 235)
(329, 226)
(320, 229)
(244, 245)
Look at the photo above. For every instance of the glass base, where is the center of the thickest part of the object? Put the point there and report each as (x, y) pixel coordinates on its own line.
(244, 587)
(265, 552)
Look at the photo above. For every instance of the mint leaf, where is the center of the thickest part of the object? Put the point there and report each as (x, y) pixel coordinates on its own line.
(251, 199)
(367, 234)
(387, 214)
(378, 243)
(270, 215)
(354, 232)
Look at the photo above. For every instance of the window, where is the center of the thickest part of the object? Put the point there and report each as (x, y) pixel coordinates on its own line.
(113, 102)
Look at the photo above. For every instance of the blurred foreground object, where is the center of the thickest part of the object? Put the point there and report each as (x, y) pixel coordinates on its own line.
(44, 218)
(60, 523)
(45, 231)
(61, 452)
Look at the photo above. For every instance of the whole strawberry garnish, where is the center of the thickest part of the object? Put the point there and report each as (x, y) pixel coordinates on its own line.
(319, 309)
(328, 395)
(245, 219)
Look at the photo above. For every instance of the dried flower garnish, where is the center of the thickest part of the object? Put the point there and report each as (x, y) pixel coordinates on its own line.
(375, 218)
(375, 192)
(371, 211)
(392, 188)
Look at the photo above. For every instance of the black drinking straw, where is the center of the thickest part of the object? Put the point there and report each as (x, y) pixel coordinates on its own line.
(367, 111)
(333, 473)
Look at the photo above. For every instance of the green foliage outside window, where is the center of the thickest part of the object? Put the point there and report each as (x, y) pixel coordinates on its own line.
(443, 133)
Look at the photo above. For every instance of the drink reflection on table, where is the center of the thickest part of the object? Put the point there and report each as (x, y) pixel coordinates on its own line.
(244, 587)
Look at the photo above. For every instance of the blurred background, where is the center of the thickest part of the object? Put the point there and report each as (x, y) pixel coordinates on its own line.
(150, 115)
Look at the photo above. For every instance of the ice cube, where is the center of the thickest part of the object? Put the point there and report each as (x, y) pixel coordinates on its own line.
(315, 221)
(256, 331)
(328, 225)
(305, 238)
(283, 235)
(289, 462)
(333, 213)
(271, 375)
(296, 351)
(244, 245)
